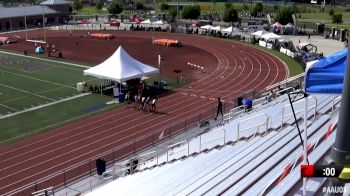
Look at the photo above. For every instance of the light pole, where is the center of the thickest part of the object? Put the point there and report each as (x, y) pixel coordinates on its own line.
(42, 7)
(25, 22)
(160, 76)
(177, 13)
(251, 9)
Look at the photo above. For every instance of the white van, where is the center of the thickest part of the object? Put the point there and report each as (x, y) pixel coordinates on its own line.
(253, 28)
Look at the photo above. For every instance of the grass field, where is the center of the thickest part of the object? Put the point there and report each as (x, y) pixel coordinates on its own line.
(91, 10)
(323, 16)
(293, 66)
(27, 83)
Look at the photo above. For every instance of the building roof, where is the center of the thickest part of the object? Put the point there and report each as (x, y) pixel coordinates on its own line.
(54, 2)
(14, 12)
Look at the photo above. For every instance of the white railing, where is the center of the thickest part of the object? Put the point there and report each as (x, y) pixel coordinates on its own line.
(212, 140)
(148, 157)
(335, 102)
(173, 146)
(285, 81)
(299, 111)
(233, 112)
(239, 110)
(265, 122)
(44, 192)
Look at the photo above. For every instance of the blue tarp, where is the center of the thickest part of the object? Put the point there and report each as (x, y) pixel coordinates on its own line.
(327, 75)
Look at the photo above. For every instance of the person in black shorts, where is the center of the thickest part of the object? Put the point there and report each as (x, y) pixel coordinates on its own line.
(219, 108)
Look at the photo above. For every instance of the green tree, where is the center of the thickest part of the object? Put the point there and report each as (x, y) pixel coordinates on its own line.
(337, 18)
(172, 14)
(258, 8)
(191, 12)
(214, 4)
(245, 7)
(99, 4)
(331, 12)
(284, 16)
(77, 5)
(228, 5)
(295, 8)
(230, 15)
(140, 6)
(276, 8)
(164, 7)
(115, 8)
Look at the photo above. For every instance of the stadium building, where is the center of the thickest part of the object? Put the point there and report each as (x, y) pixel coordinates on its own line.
(54, 12)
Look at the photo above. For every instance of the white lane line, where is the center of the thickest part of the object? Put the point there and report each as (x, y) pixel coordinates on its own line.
(42, 59)
(26, 92)
(41, 80)
(42, 106)
(8, 107)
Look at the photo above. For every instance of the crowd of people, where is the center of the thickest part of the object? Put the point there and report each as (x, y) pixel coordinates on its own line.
(147, 28)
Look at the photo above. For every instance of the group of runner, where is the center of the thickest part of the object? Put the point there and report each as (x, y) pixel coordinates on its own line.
(145, 103)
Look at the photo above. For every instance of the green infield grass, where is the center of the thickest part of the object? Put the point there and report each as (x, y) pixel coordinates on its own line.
(27, 83)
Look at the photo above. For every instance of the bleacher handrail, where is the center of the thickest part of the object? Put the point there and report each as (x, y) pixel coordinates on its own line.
(200, 138)
(230, 115)
(174, 145)
(285, 81)
(296, 112)
(258, 125)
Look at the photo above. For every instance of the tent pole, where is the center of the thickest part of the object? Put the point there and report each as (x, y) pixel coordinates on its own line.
(305, 141)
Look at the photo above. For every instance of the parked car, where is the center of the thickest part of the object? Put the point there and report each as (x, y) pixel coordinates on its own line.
(253, 28)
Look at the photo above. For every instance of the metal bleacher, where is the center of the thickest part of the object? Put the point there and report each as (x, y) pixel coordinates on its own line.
(257, 146)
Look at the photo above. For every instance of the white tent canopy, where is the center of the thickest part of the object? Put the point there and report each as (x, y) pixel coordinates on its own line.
(270, 36)
(217, 28)
(159, 22)
(146, 22)
(120, 67)
(259, 33)
(230, 29)
(207, 27)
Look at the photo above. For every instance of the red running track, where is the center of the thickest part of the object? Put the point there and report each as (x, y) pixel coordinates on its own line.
(240, 69)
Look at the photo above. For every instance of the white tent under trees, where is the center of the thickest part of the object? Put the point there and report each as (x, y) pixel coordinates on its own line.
(159, 22)
(120, 67)
(270, 36)
(146, 22)
(259, 33)
(207, 27)
(230, 29)
(217, 28)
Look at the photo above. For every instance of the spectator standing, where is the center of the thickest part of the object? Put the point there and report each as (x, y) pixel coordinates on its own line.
(219, 109)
